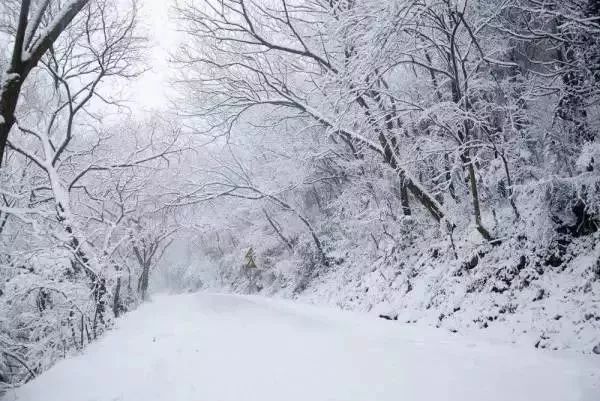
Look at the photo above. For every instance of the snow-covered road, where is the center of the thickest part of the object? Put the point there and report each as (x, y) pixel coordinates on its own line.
(210, 347)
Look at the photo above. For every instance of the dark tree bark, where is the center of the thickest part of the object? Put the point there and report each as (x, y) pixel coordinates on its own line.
(117, 301)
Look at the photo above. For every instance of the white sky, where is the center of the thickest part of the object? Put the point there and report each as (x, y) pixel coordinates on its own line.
(149, 91)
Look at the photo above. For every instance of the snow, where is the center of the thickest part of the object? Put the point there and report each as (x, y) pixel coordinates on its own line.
(8, 77)
(226, 347)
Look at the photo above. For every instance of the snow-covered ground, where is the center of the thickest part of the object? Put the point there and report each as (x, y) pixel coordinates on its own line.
(224, 347)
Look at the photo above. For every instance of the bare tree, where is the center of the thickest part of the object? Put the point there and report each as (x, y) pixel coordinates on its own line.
(149, 243)
(258, 48)
(35, 33)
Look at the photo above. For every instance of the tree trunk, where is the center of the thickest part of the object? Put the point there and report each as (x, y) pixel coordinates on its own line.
(475, 198)
(117, 304)
(143, 282)
(9, 95)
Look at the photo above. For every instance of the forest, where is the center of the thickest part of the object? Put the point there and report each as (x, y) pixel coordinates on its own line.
(420, 160)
